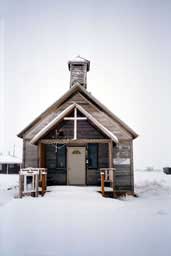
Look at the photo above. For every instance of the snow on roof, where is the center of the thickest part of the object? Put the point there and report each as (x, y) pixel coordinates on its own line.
(78, 59)
(7, 159)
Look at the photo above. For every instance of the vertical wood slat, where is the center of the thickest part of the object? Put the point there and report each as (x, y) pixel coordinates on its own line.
(132, 167)
(110, 154)
(41, 155)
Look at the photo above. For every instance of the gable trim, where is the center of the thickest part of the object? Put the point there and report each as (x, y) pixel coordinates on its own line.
(55, 104)
(62, 99)
(51, 124)
(62, 115)
(111, 114)
(98, 124)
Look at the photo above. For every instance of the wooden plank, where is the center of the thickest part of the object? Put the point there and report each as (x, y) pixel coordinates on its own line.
(111, 166)
(103, 155)
(71, 141)
(132, 167)
(41, 155)
(30, 155)
(110, 144)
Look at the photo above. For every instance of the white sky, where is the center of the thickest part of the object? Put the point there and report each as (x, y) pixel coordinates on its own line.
(128, 44)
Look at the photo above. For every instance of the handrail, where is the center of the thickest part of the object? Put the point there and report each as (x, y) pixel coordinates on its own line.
(108, 175)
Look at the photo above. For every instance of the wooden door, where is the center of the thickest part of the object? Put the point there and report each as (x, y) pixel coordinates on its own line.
(76, 166)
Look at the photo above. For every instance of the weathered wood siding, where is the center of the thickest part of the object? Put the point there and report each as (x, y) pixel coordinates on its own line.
(122, 156)
(85, 130)
(90, 107)
(123, 162)
(78, 74)
(67, 128)
(30, 155)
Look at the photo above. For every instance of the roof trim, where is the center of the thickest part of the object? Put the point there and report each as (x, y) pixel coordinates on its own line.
(56, 103)
(98, 124)
(51, 124)
(123, 124)
(64, 97)
(63, 113)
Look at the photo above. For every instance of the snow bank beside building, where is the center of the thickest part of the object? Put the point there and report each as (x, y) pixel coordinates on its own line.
(152, 183)
(8, 181)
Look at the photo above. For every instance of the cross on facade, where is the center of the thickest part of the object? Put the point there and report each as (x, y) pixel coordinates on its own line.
(75, 119)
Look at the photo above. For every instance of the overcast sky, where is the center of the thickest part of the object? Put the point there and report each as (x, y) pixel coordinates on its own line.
(129, 46)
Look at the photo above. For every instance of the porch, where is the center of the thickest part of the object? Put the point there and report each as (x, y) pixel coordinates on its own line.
(75, 162)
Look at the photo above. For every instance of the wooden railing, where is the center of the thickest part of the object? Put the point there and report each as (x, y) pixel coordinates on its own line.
(107, 176)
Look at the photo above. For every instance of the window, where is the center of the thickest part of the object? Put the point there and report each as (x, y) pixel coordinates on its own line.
(0, 167)
(11, 165)
(92, 156)
(61, 156)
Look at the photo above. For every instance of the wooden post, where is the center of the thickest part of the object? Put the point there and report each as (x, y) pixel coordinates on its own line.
(36, 177)
(43, 184)
(42, 165)
(20, 186)
(111, 166)
(102, 183)
(41, 155)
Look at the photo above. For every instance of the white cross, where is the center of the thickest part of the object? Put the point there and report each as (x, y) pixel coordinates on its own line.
(75, 119)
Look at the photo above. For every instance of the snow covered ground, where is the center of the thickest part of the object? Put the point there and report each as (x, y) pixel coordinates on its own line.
(78, 221)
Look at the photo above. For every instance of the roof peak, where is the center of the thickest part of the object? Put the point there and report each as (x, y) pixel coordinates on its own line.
(79, 58)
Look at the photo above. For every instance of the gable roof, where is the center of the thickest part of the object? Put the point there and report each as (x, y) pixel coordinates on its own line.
(89, 96)
(59, 117)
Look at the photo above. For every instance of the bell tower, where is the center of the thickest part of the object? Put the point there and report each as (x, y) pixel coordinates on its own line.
(78, 68)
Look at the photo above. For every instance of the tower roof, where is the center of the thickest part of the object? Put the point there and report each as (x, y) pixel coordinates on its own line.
(79, 60)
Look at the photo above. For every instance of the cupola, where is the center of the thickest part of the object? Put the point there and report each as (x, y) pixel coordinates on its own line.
(78, 68)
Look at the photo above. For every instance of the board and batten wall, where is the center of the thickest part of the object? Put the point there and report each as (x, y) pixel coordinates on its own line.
(123, 162)
(30, 154)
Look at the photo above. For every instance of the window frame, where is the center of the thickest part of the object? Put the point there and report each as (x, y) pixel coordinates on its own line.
(65, 155)
(97, 154)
